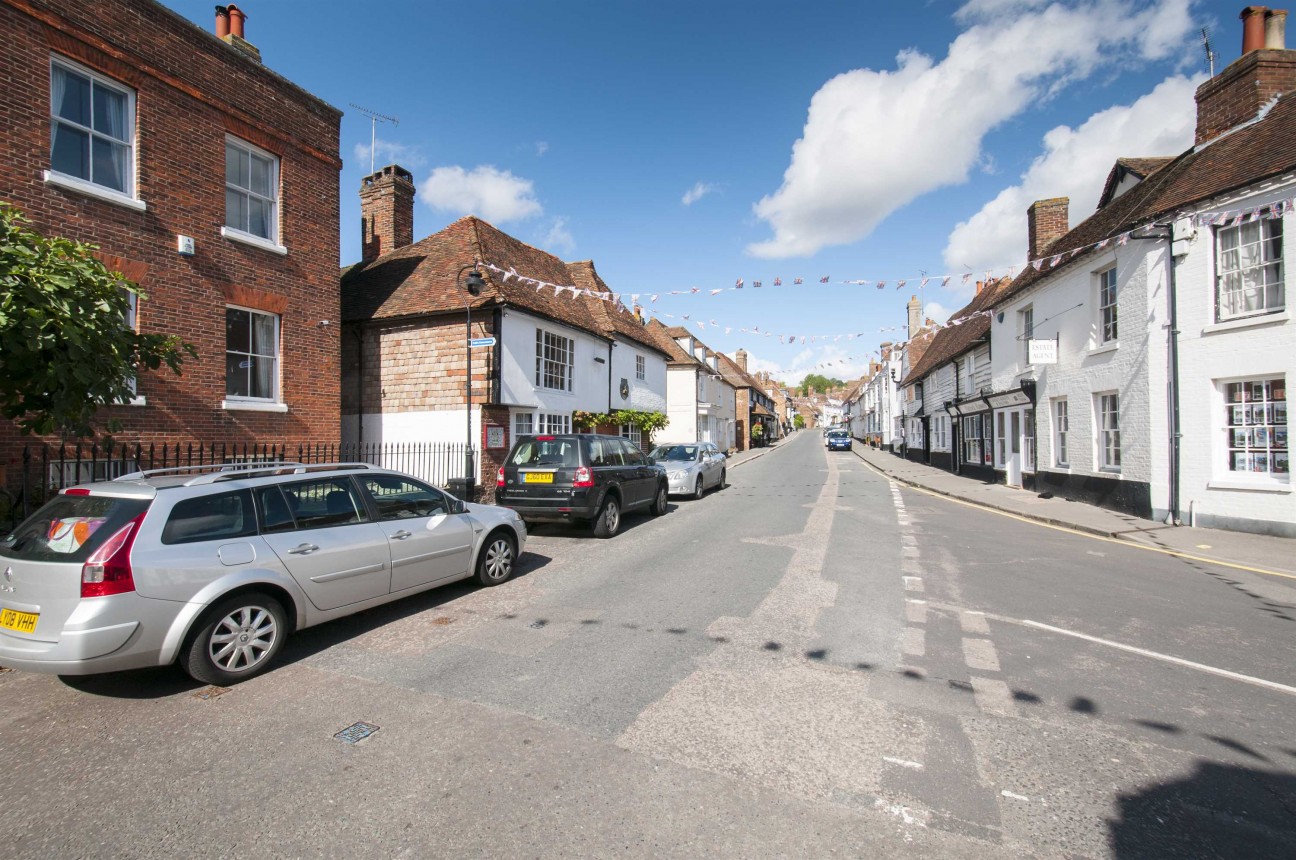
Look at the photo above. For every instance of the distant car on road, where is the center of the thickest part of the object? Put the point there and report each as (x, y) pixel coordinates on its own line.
(215, 566)
(691, 467)
(839, 440)
(580, 477)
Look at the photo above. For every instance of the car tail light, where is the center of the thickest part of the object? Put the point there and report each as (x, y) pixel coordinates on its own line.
(545, 438)
(499, 477)
(108, 570)
(76, 492)
(583, 477)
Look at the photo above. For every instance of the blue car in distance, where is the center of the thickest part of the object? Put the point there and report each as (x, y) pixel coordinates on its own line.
(839, 440)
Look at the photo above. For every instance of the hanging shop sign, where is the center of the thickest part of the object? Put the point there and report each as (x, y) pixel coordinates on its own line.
(1042, 351)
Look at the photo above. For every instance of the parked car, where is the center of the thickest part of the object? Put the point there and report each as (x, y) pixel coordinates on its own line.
(839, 440)
(580, 477)
(214, 566)
(691, 467)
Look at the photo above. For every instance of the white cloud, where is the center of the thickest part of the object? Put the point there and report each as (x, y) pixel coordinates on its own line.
(875, 140)
(541, 147)
(494, 194)
(389, 152)
(831, 361)
(1074, 164)
(697, 192)
(559, 238)
(936, 311)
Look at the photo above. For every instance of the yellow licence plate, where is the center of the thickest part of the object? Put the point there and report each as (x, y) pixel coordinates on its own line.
(538, 478)
(23, 622)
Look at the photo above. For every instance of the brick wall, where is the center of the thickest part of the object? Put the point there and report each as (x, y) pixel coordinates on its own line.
(1046, 221)
(1237, 93)
(191, 90)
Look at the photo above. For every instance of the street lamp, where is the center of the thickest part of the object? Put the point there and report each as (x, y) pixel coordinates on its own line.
(473, 285)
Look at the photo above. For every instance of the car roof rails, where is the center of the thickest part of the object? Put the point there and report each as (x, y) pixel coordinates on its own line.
(210, 473)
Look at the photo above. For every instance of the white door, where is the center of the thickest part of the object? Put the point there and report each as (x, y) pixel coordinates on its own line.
(1013, 463)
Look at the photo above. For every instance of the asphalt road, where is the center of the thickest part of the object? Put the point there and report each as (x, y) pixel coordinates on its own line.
(811, 662)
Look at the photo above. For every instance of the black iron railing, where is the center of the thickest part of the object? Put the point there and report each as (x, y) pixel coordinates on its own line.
(45, 469)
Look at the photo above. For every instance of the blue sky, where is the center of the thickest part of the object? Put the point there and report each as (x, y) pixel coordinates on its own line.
(689, 144)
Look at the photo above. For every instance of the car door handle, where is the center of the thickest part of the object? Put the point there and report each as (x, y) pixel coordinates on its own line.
(303, 549)
(401, 535)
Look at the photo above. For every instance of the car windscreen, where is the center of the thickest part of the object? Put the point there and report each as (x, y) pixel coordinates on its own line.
(674, 452)
(545, 452)
(70, 528)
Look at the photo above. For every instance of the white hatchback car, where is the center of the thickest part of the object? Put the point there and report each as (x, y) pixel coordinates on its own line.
(214, 566)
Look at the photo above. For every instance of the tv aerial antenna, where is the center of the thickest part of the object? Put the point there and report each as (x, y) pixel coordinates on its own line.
(1210, 54)
(374, 119)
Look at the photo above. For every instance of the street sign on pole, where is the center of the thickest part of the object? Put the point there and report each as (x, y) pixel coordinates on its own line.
(481, 341)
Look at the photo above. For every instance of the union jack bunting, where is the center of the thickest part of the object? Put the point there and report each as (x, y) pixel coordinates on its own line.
(824, 279)
(739, 284)
(797, 281)
(778, 282)
(756, 283)
(1036, 264)
(1124, 238)
(1054, 260)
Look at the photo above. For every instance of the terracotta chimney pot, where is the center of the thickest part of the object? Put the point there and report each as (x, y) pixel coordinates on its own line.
(1253, 28)
(236, 19)
(222, 22)
(1276, 30)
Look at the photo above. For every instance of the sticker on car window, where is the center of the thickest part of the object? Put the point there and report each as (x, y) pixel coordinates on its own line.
(66, 535)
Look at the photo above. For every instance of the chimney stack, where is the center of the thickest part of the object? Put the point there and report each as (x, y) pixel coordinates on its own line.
(914, 309)
(386, 211)
(740, 359)
(1046, 222)
(229, 29)
(1265, 71)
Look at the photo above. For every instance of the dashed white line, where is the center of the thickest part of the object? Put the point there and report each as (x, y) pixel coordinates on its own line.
(1009, 794)
(974, 622)
(912, 583)
(980, 654)
(912, 765)
(916, 612)
(915, 642)
(993, 696)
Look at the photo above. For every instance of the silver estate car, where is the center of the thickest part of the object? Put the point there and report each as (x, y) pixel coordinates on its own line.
(691, 467)
(213, 567)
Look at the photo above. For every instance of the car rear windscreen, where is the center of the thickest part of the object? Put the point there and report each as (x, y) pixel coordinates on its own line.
(546, 452)
(70, 528)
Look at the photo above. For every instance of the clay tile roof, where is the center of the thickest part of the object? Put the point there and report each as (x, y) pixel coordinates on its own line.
(1243, 157)
(665, 341)
(1140, 168)
(420, 279)
(952, 341)
(733, 374)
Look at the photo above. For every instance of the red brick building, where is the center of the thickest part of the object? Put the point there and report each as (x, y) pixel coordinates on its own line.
(205, 177)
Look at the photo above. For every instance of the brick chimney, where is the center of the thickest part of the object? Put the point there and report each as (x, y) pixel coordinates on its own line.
(740, 359)
(1046, 222)
(915, 316)
(229, 29)
(1265, 70)
(386, 211)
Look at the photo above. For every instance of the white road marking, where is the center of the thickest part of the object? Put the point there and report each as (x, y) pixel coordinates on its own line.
(974, 622)
(1178, 661)
(1007, 793)
(916, 612)
(910, 567)
(915, 642)
(980, 654)
(993, 696)
(912, 583)
(912, 765)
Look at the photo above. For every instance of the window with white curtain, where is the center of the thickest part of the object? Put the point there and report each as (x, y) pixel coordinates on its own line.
(1108, 414)
(92, 128)
(251, 355)
(1061, 429)
(555, 360)
(251, 190)
(1107, 329)
(1249, 269)
(523, 424)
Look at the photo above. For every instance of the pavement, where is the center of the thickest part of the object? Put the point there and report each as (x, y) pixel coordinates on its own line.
(1263, 553)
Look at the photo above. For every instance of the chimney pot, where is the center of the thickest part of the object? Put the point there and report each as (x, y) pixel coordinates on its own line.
(1276, 30)
(386, 211)
(236, 19)
(1253, 28)
(222, 22)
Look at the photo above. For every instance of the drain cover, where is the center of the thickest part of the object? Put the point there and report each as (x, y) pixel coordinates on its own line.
(356, 732)
(207, 693)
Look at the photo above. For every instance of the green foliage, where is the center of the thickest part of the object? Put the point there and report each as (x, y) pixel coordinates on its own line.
(815, 382)
(757, 431)
(647, 422)
(66, 351)
(798, 421)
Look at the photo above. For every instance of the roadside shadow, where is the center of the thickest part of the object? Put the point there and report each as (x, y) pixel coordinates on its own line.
(161, 682)
(1218, 811)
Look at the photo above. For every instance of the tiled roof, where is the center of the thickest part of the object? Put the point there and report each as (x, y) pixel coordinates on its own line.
(1244, 157)
(420, 279)
(733, 374)
(677, 356)
(952, 341)
(1141, 168)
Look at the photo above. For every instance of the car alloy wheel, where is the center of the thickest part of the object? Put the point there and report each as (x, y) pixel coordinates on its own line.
(242, 639)
(609, 518)
(495, 565)
(699, 489)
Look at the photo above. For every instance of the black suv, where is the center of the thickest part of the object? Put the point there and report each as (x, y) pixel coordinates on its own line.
(580, 477)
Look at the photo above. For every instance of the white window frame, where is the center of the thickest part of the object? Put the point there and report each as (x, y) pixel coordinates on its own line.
(633, 435)
(240, 234)
(552, 423)
(1026, 331)
(641, 367)
(1267, 242)
(555, 362)
(1255, 429)
(523, 424)
(1107, 439)
(1061, 428)
(233, 401)
(974, 437)
(87, 185)
(1000, 426)
(1107, 304)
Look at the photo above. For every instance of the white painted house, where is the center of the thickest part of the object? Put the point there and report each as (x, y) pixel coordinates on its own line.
(700, 403)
